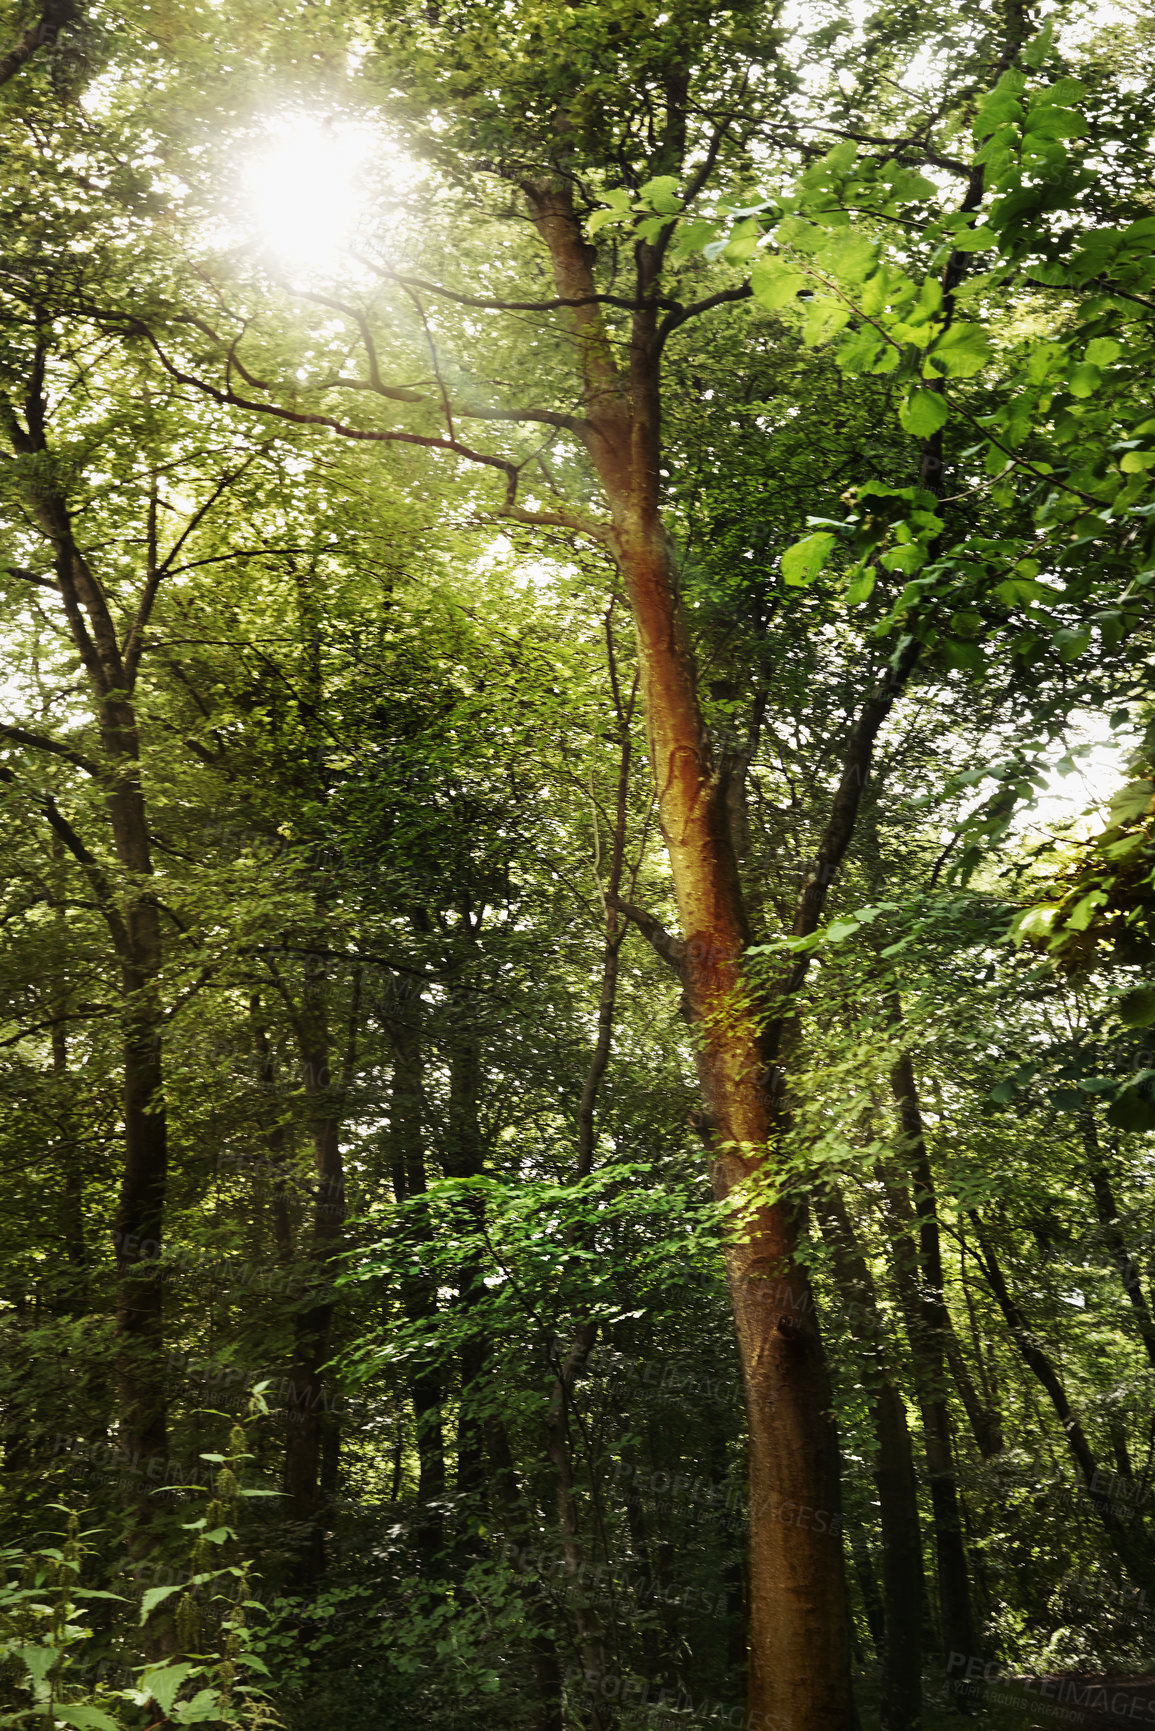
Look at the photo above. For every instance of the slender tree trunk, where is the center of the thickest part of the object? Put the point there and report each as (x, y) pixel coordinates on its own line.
(894, 1475)
(276, 1135)
(937, 1318)
(133, 920)
(418, 1296)
(308, 1410)
(464, 1158)
(928, 1363)
(1108, 1216)
(1128, 1540)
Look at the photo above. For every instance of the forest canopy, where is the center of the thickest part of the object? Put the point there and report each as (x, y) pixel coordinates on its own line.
(577, 800)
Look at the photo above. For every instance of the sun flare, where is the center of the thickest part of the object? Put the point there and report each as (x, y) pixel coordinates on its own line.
(307, 190)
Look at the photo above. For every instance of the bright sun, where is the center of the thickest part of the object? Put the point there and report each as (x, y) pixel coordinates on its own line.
(306, 189)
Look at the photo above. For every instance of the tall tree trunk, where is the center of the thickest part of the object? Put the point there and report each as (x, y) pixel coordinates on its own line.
(308, 1412)
(276, 1134)
(922, 1297)
(418, 1293)
(800, 1646)
(1108, 1216)
(133, 920)
(928, 1363)
(937, 1318)
(464, 1158)
(894, 1475)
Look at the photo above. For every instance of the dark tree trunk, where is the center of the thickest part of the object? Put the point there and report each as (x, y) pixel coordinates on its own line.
(133, 920)
(894, 1474)
(1127, 1539)
(309, 1412)
(1108, 1217)
(418, 1292)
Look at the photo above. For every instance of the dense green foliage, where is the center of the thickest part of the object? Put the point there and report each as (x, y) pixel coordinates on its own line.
(437, 1206)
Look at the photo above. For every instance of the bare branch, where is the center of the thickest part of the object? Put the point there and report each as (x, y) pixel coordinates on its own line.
(599, 532)
(24, 576)
(20, 736)
(482, 304)
(671, 949)
(680, 315)
(305, 418)
(101, 888)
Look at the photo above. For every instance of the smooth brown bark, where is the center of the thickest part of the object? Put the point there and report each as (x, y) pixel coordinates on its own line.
(799, 1634)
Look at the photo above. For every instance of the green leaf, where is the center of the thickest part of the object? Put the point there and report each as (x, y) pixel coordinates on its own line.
(202, 1708)
(1071, 644)
(1137, 1007)
(1102, 351)
(162, 1682)
(37, 1660)
(153, 1597)
(1136, 462)
(1084, 380)
(1132, 1112)
(1054, 123)
(841, 159)
(823, 318)
(861, 588)
(774, 283)
(975, 239)
(1015, 591)
(603, 218)
(802, 562)
(1036, 922)
(661, 194)
(839, 929)
(1044, 358)
(923, 413)
(1083, 912)
(962, 655)
(83, 1714)
(1130, 802)
(960, 352)
(850, 255)
(692, 236)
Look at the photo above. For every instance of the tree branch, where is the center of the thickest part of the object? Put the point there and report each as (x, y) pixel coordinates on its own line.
(671, 949)
(680, 315)
(20, 736)
(101, 888)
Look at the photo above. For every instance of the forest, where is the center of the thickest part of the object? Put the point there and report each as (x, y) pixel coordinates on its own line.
(577, 807)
